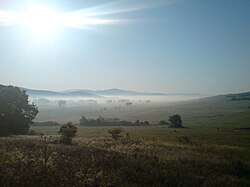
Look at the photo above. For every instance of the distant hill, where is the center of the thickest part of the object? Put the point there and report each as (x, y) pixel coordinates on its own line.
(98, 93)
(41, 92)
(46, 93)
(120, 92)
(239, 96)
(116, 91)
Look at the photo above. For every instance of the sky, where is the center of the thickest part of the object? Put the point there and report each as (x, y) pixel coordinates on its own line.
(170, 46)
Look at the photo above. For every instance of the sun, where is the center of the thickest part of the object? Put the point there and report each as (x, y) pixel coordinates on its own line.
(42, 20)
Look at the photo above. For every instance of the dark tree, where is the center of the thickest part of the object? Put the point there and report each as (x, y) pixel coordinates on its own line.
(68, 132)
(16, 114)
(175, 121)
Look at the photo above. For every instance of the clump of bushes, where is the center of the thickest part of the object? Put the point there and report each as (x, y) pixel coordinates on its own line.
(68, 132)
(101, 121)
(163, 122)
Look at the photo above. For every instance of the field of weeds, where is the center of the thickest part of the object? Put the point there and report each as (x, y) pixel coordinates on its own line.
(132, 160)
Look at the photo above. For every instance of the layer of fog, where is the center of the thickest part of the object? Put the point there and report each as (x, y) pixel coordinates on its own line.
(107, 101)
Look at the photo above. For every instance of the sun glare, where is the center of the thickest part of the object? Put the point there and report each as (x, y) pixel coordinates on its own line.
(42, 20)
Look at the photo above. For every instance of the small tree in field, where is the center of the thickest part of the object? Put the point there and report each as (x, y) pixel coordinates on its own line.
(115, 133)
(175, 121)
(68, 132)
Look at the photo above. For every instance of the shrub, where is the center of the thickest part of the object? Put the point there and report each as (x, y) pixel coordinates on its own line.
(68, 132)
(115, 133)
(146, 123)
(163, 122)
(35, 133)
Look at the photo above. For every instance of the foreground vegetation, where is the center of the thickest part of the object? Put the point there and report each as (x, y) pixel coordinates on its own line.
(141, 156)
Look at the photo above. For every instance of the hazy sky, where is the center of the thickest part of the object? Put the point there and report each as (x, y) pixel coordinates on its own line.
(154, 45)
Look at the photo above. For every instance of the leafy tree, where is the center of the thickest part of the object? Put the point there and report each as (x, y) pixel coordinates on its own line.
(68, 132)
(175, 121)
(16, 113)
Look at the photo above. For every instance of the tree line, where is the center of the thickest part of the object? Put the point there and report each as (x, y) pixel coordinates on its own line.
(101, 121)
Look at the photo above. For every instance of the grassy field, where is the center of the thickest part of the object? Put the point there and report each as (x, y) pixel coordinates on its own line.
(196, 134)
(212, 150)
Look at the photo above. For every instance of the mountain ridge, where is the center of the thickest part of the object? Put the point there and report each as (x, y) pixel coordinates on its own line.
(98, 93)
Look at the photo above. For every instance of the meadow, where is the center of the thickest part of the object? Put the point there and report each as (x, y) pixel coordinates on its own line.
(212, 150)
(124, 93)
